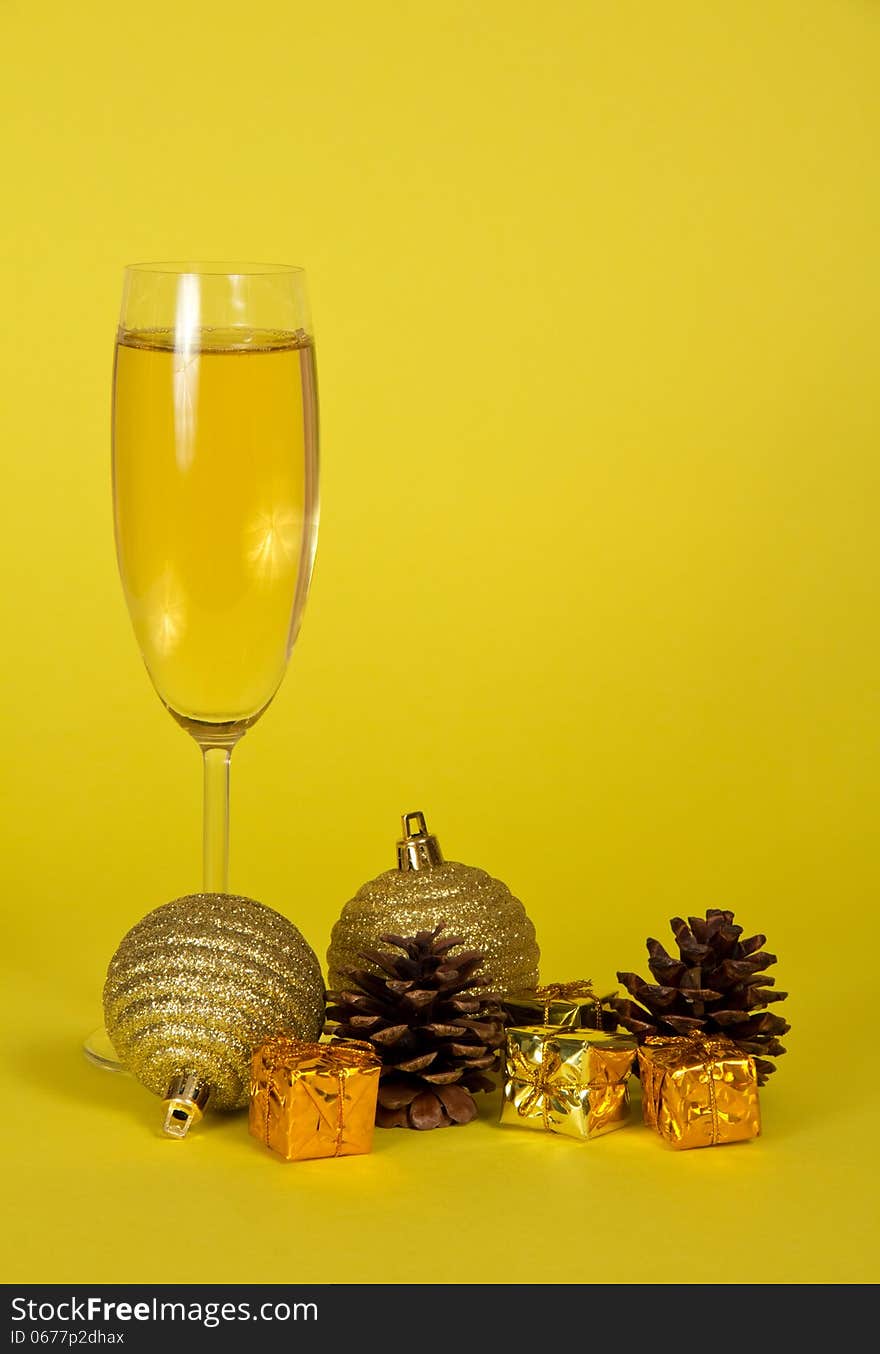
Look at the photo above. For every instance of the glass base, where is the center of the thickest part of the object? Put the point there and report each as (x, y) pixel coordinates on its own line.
(100, 1051)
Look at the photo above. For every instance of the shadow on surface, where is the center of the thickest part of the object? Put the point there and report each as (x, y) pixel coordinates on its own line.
(59, 1067)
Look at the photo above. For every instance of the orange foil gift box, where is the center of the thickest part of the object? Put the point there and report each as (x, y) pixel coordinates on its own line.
(699, 1091)
(314, 1100)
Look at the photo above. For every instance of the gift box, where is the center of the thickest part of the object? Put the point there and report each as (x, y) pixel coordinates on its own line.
(571, 1005)
(567, 1081)
(699, 1091)
(314, 1100)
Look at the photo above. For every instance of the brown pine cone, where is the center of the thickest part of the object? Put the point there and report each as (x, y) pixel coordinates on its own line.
(717, 985)
(436, 1029)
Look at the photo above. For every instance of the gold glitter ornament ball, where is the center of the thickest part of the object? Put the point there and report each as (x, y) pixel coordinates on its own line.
(196, 986)
(424, 891)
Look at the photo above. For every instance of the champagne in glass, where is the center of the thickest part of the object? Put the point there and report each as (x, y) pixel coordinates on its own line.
(212, 446)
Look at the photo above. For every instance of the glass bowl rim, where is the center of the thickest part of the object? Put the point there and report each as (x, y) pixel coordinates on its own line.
(222, 268)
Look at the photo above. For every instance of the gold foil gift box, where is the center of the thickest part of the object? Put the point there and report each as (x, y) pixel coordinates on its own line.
(314, 1100)
(699, 1091)
(572, 1005)
(565, 1081)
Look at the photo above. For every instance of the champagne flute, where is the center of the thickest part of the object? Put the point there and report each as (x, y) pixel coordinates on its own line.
(215, 488)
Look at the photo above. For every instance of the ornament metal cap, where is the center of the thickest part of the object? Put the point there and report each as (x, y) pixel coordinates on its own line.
(418, 850)
(184, 1105)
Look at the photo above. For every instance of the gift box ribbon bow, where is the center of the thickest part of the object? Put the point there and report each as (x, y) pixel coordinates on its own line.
(580, 987)
(297, 1060)
(698, 1046)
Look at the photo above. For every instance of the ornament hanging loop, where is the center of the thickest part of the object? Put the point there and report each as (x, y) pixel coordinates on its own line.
(184, 1105)
(418, 850)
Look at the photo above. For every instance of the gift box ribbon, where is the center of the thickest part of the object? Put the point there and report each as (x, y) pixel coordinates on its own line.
(579, 987)
(299, 1060)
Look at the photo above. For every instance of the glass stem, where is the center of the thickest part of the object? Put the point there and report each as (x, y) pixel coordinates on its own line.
(216, 825)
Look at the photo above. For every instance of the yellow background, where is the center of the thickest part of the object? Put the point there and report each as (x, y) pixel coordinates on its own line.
(596, 297)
